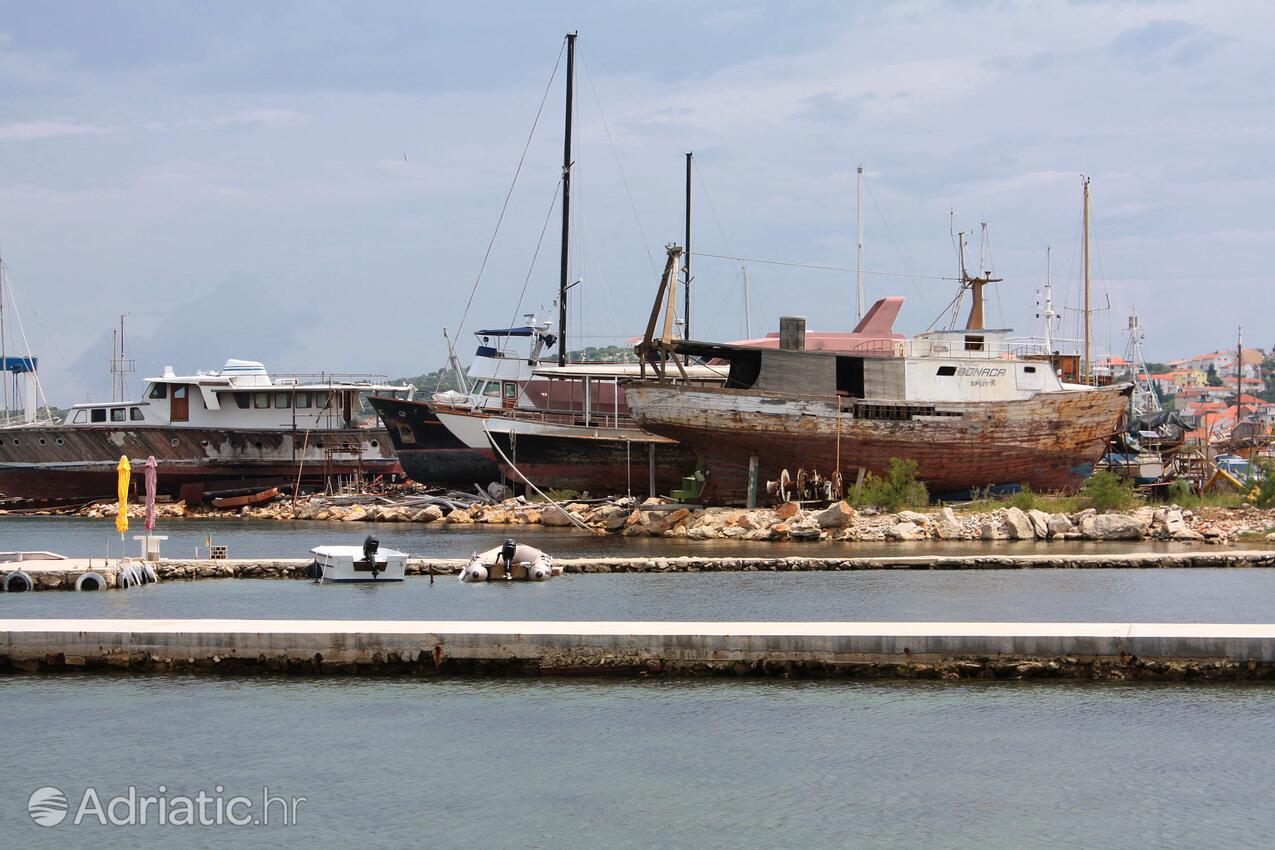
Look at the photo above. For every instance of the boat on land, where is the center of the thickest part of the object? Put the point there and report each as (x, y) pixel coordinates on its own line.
(235, 429)
(427, 450)
(971, 407)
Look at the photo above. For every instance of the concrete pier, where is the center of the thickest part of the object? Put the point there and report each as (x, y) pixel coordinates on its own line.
(1091, 651)
(61, 575)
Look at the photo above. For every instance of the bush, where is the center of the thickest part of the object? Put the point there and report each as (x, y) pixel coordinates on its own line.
(1106, 491)
(1024, 499)
(892, 492)
(1262, 493)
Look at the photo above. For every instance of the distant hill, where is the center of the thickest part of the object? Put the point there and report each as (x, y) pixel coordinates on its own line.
(441, 380)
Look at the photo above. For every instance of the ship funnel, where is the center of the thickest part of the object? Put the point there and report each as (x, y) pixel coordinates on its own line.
(792, 333)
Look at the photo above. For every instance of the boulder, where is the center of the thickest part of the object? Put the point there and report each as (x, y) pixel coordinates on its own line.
(613, 517)
(787, 510)
(905, 531)
(807, 529)
(913, 517)
(354, 513)
(1111, 527)
(459, 517)
(1040, 522)
(429, 514)
(500, 492)
(1173, 521)
(555, 516)
(1059, 525)
(1018, 525)
(837, 515)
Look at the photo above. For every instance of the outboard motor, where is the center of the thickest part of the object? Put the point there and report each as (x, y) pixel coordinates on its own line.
(507, 553)
(370, 545)
(475, 570)
(541, 568)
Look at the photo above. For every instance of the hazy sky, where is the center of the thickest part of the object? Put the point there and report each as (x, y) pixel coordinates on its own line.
(314, 184)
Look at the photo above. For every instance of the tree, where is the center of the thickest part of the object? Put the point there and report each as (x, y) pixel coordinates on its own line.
(1212, 377)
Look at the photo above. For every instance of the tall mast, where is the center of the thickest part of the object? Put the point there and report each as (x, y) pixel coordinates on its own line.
(686, 257)
(1048, 312)
(858, 206)
(1086, 370)
(563, 284)
(748, 319)
(4, 358)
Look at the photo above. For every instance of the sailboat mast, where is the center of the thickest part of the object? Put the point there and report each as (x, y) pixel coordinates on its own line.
(748, 319)
(4, 355)
(1086, 369)
(1048, 312)
(686, 257)
(858, 216)
(563, 283)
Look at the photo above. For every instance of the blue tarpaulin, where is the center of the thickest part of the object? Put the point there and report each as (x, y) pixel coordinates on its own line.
(19, 364)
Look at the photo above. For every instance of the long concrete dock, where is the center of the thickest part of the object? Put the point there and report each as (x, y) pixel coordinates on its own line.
(1091, 651)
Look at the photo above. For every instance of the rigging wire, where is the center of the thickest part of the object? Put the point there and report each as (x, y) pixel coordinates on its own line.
(553, 203)
(509, 194)
(646, 245)
(872, 196)
(820, 267)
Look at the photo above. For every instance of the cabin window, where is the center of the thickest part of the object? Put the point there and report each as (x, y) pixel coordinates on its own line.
(850, 377)
(492, 389)
(118, 414)
(303, 400)
(946, 371)
(98, 414)
(261, 401)
(511, 390)
(159, 391)
(80, 417)
(135, 414)
(282, 401)
(1029, 369)
(244, 400)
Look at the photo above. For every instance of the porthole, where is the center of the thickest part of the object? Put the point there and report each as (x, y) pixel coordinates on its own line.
(375, 444)
(174, 442)
(402, 414)
(59, 441)
(203, 443)
(43, 442)
(16, 441)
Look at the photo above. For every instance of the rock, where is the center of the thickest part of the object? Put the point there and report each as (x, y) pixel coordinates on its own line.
(948, 515)
(555, 516)
(354, 514)
(613, 517)
(1018, 525)
(1185, 533)
(837, 515)
(500, 492)
(1040, 522)
(913, 517)
(990, 530)
(1173, 522)
(1059, 525)
(807, 529)
(787, 510)
(429, 514)
(459, 517)
(1111, 527)
(905, 531)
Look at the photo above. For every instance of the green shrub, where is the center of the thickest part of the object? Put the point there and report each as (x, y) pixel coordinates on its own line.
(1024, 499)
(892, 492)
(1106, 491)
(1179, 492)
(1262, 493)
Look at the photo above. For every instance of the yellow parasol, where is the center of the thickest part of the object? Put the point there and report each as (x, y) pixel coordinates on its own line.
(121, 518)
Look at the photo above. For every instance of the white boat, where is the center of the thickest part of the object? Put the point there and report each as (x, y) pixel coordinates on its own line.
(358, 563)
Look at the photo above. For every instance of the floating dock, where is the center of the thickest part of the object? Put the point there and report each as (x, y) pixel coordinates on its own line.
(948, 651)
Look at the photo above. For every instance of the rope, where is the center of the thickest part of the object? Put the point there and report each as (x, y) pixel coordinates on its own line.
(527, 480)
(509, 194)
(531, 268)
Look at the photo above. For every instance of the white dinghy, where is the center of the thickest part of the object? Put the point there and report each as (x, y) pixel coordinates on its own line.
(511, 561)
(368, 562)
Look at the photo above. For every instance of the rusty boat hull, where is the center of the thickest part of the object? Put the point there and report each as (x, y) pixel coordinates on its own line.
(429, 453)
(1049, 441)
(60, 463)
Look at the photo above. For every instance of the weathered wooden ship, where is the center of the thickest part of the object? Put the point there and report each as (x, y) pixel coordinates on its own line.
(234, 429)
(969, 406)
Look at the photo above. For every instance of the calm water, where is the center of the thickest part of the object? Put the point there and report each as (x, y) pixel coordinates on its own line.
(78, 537)
(638, 764)
(1218, 596)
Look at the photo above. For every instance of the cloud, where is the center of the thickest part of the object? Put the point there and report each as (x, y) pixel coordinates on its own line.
(268, 119)
(27, 131)
(1176, 42)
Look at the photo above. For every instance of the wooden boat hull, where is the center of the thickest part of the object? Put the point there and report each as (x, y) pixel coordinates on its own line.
(428, 452)
(1049, 441)
(61, 463)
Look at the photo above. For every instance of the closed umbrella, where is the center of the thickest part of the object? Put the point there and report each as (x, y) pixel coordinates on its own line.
(121, 518)
(150, 493)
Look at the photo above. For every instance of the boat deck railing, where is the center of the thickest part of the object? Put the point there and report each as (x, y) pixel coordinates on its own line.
(595, 419)
(969, 347)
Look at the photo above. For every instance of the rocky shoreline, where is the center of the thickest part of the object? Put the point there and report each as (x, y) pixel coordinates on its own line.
(787, 522)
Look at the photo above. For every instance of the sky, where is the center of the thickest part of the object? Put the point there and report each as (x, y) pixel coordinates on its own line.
(316, 185)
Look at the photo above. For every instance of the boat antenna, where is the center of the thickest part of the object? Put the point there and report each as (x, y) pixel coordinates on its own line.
(563, 280)
(748, 319)
(1047, 307)
(686, 255)
(858, 214)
